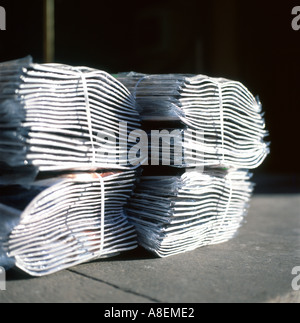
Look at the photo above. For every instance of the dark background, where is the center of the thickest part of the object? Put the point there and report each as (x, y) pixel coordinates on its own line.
(249, 41)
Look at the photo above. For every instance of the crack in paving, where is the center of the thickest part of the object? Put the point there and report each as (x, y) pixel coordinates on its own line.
(116, 286)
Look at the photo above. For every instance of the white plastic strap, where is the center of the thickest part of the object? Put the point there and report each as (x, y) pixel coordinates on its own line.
(102, 185)
(88, 114)
(221, 121)
(229, 199)
(227, 208)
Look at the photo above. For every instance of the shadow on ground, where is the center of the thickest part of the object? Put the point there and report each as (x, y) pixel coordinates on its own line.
(139, 253)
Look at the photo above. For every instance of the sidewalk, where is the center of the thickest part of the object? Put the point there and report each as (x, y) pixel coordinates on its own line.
(256, 266)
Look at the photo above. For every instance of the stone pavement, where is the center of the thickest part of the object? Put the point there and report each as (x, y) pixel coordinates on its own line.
(256, 266)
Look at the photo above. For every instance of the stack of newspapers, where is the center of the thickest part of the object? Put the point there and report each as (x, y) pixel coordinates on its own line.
(188, 211)
(66, 220)
(56, 118)
(215, 134)
(72, 140)
(223, 112)
(64, 172)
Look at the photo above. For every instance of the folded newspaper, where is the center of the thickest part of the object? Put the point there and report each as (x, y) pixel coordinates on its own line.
(223, 112)
(176, 214)
(64, 221)
(56, 117)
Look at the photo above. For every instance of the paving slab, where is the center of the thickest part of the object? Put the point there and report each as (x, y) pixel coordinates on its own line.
(256, 266)
(63, 287)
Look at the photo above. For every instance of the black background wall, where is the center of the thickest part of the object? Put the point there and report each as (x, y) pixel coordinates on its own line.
(249, 41)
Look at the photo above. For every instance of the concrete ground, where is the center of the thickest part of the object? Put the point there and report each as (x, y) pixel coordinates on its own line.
(256, 266)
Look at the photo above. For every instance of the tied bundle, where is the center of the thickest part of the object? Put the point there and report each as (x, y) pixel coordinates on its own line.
(64, 172)
(189, 211)
(64, 221)
(224, 112)
(58, 118)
